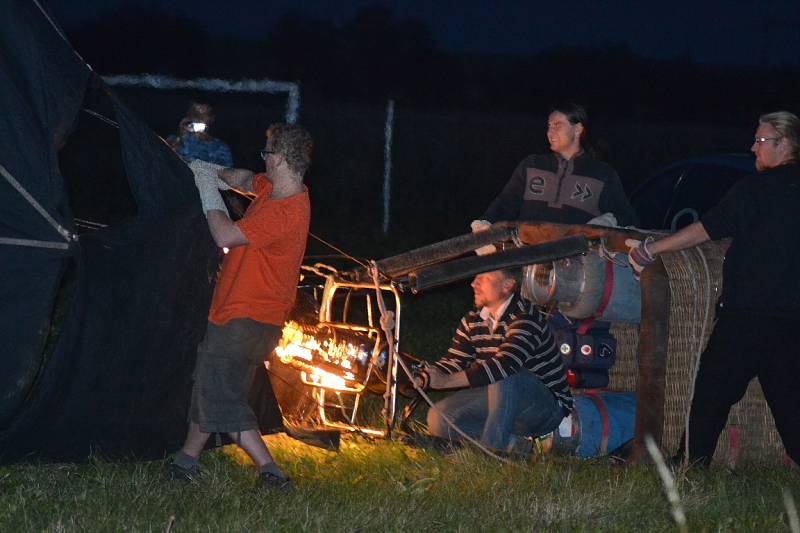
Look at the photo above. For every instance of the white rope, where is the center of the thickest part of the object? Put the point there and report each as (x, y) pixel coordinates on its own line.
(60, 33)
(31, 200)
(390, 340)
(34, 244)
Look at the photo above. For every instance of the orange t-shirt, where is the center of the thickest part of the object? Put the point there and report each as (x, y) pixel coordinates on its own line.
(259, 279)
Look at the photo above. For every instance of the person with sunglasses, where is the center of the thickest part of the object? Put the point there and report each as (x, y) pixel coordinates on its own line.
(758, 313)
(254, 293)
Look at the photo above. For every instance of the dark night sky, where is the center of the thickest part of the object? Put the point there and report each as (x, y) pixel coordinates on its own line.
(729, 32)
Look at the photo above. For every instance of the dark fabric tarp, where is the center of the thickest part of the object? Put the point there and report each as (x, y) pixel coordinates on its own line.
(118, 377)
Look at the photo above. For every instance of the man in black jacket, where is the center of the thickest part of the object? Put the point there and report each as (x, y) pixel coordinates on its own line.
(567, 185)
(758, 316)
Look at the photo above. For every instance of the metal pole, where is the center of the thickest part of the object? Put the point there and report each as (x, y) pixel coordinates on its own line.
(387, 166)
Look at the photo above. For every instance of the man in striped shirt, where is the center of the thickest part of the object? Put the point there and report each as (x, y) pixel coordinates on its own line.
(504, 359)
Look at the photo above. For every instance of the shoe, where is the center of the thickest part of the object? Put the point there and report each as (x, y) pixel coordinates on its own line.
(179, 473)
(527, 445)
(269, 480)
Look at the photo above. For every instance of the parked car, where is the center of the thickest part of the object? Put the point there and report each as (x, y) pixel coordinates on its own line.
(679, 194)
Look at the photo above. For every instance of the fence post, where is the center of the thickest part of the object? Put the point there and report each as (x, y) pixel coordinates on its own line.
(387, 166)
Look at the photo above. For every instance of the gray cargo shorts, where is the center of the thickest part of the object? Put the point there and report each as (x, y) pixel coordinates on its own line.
(226, 363)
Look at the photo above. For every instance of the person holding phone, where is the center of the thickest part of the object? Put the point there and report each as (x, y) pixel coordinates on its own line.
(194, 140)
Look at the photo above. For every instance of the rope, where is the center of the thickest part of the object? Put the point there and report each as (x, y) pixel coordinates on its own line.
(34, 244)
(60, 33)
(31, 200)
(342, 252)
(89, 224)
(608, 255)
(103, 118)
(385, 322)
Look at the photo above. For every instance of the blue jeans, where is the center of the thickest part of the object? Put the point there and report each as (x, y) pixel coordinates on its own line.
(520, 405)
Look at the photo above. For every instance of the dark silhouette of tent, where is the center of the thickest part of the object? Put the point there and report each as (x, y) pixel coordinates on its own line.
(99, 327)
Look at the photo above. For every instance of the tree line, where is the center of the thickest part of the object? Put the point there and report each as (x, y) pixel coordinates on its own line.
(377, 55)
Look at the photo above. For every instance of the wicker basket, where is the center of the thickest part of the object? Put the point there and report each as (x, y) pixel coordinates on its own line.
(695, 279)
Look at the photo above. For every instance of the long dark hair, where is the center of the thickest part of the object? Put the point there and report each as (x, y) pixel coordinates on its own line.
(576, 114)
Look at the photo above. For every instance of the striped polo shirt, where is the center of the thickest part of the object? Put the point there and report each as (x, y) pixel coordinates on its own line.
(521, 339)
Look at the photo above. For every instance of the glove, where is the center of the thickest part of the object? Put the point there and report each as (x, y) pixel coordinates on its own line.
(638, 255)
(422, 376)
(209, 172)
(210, 198)
(478, 226)
(606, 219)
(422, 379)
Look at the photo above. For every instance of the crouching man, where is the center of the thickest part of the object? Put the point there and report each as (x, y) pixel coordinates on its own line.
(504, 359)
(254, 293)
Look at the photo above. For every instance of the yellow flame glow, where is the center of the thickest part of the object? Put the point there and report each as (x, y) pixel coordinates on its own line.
(299, 348)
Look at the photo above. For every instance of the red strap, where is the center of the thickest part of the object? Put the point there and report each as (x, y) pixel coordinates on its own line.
(608, 288)
(604, 426)
(733, 443)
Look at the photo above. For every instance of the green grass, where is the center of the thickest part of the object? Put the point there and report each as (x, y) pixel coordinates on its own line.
(386, 486)
(383, 485)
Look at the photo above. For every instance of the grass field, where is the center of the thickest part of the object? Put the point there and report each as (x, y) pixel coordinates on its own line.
(382, 485)
(377, 485)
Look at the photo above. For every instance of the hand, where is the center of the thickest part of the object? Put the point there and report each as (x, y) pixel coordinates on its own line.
(606, 219)
(205, 171)
(638, 256)
(422, 379)
(482, 225)
(238, 178)
(205, 179)
(421, 375)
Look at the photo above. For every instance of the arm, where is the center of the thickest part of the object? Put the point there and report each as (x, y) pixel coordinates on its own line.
(691, 235)
(448, 372)
(528, 343)
(440, 381)
(642, 254)
(240, 179)
(224, 231)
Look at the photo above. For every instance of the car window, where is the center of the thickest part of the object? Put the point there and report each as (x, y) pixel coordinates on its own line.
(700, 190)
(652, 200)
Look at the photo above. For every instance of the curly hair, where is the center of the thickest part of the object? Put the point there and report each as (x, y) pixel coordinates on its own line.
(292, 142)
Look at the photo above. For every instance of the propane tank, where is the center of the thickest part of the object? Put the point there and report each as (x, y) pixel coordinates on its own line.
(600, 423)
(577, 285)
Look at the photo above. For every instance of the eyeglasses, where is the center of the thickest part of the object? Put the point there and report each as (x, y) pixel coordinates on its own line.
(760, 140)
(265, 153)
